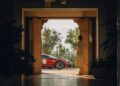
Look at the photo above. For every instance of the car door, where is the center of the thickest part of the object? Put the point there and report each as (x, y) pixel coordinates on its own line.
(44, 60)
(47, 61)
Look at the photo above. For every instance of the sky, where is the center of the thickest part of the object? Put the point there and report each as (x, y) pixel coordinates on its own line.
(62, 26)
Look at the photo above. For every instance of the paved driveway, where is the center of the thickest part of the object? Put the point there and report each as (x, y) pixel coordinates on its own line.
(65, 71)
(69, 72)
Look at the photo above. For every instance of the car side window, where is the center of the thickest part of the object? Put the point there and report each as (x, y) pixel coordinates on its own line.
(45, 57)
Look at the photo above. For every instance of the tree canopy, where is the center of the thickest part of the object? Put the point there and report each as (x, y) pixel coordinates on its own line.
(50, 38)
(72, 37)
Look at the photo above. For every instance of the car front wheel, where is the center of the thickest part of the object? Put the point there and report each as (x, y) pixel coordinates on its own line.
(59, 65)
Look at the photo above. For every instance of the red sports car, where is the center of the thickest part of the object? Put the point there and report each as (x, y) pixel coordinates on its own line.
(51, 61)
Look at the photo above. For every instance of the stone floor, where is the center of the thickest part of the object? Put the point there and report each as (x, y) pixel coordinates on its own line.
(60, 80)
(53, 77)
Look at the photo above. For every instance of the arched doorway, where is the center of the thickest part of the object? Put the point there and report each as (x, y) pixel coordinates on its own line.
(38, 17)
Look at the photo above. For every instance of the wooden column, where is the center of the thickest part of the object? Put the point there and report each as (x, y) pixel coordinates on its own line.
(36, 44)
(84, 25)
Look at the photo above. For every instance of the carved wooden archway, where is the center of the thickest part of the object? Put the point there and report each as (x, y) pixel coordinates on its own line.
(39, 15)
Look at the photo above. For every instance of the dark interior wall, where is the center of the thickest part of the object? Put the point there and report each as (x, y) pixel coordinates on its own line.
(102, 30)
(76, 4)
(93, 44)
(118, 42)
(107, 15)
(6, 10)
(118, 13)
(118, 57)
(27, 34)
(26, 4)
(11, 9)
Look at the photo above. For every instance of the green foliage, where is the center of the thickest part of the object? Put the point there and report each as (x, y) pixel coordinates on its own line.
(72, 38)
(50, 38)
(61, 50)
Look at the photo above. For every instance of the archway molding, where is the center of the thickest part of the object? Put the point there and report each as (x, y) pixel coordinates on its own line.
(40, 15)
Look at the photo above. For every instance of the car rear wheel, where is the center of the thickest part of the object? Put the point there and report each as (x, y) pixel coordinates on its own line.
(59, 65)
